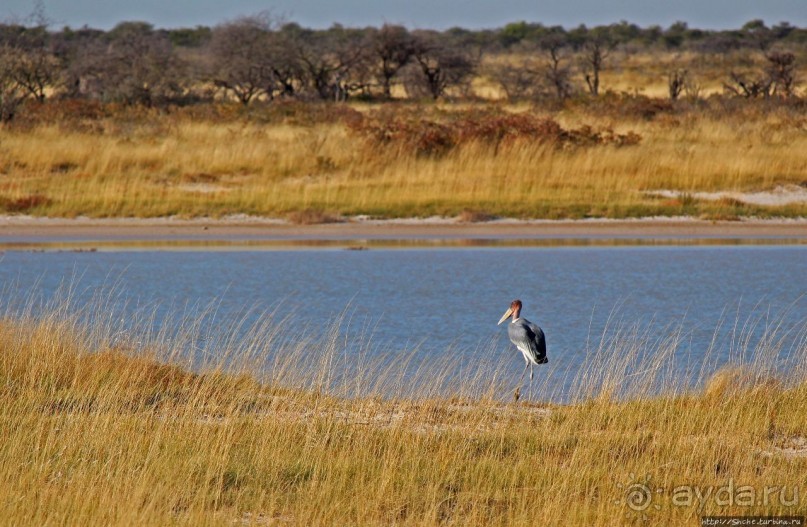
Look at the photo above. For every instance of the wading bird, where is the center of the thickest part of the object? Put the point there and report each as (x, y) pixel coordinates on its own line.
(527, 337)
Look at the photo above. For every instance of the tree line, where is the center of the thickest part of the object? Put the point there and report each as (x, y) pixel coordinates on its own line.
(260, 57)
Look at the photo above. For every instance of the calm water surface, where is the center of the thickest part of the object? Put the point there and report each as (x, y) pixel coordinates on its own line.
(450, 299)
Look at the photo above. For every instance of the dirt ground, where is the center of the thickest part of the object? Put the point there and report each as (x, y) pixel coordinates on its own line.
(30, 229)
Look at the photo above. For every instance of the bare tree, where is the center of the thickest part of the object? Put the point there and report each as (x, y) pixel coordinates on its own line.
(749, 86)
(782, 72)
(557, 71)
(36, 71)
(27, 68)
(778, 78)
(79, 54)
(329, 60)
(441, 64)
(241, 58)
(394, 47)
(287, 73)
(12, 93)
(518, 78)
(676, 82)
(132, 64)
(542, 69)
(596, 48)
(28, 55)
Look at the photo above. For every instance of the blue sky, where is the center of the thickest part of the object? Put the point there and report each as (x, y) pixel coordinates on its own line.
(417, 13)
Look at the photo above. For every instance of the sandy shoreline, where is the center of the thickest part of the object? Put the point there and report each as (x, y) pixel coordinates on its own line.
(31, 229)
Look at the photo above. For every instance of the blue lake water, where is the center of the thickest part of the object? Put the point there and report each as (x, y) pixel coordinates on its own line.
(449, 300)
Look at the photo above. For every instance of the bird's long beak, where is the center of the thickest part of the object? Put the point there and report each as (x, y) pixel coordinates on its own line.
(506, 315)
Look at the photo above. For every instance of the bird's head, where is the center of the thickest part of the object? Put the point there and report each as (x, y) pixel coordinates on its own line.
(515, 309)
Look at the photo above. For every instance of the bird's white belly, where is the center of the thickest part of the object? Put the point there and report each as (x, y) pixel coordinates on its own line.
(526, 352)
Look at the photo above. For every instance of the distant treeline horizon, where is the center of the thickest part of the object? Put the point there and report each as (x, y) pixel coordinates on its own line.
(263, 57)
(674, 36)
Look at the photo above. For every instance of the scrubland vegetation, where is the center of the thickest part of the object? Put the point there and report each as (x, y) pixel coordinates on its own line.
(106, 426)
(307, 160)
(262, 117)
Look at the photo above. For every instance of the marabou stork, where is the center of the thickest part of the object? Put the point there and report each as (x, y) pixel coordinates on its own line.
(527, 337)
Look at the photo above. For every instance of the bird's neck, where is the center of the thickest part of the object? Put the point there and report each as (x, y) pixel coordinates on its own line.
(516, 315)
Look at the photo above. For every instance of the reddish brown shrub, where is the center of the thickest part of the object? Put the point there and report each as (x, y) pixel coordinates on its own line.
(417, 137)
(496, 129)
(427, 137)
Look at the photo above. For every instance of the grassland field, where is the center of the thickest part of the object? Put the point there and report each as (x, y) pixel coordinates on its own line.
(98, 430)
(311, 162)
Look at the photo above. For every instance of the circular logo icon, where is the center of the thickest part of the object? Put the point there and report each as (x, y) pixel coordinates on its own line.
(638, 496)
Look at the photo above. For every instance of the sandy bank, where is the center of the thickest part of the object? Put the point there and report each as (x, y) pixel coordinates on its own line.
(31, 229)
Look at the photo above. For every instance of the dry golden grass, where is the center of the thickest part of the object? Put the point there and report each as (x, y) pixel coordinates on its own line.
(167, 165)
(96, 431)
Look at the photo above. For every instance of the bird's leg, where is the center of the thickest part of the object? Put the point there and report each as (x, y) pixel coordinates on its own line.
(517, 395)
(521, 379)
(531, 372)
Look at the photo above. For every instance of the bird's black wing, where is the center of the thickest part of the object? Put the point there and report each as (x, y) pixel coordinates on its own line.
(527, 335)
(539, 341)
